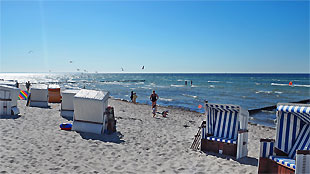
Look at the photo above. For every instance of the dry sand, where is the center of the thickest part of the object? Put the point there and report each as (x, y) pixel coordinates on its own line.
(34, 143)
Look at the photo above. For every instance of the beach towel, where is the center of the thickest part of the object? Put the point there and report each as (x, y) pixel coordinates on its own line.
(23, 95)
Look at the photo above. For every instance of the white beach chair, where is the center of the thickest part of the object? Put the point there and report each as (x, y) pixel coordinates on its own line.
(89, 111)
(67, 109)
(225, 130)
(8, 100)
(290, 151)
(39, 96)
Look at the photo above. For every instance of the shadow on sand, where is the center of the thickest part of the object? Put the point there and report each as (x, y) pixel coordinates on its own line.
(10, 117)
(245, 160)
(113, 138)
(67, 118)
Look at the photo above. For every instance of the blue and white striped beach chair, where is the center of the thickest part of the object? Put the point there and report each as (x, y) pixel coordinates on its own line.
(290, 151)
(225, 130)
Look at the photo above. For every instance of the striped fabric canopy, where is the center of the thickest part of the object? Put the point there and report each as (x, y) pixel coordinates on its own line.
(290, 121)
(222, 120)
(302, 111)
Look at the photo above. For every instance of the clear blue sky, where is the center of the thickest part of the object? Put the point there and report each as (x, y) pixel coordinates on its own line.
(209, 36)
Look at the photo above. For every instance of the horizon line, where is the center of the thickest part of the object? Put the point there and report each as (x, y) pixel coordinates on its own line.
(167, 72)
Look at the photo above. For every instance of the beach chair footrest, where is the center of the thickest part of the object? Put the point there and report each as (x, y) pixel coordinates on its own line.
(267, 165)
(219, 147)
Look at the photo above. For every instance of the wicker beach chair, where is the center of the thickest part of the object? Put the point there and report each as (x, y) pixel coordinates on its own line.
(38, 96)
(67, 109)
(290, 151)
(8, 100)
(225, 131)
(90, 111)
(54, 94)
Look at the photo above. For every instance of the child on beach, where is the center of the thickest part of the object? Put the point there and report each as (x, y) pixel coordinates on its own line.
(134, 98)
(154, 110)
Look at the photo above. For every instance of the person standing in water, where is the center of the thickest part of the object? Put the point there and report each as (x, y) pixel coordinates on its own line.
(131, 96)
(154, 97)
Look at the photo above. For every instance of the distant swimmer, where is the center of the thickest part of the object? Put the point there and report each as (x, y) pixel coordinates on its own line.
(185, 82)
(154, 97)
(191, 82)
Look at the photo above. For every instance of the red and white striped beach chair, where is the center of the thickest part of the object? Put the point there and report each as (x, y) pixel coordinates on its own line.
(290, 152)
(225, 130)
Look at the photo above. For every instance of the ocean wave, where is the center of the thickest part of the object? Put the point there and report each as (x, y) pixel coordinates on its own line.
(279, 84)
(177, 86)
(212, 86)
(294, 85)
(307, 86)
(266, 92)
(192, 96)
(229, 82)
(179, 80)
(194, 86)
(166, 99)
(257, 83)
(210, 81)
(278, 92)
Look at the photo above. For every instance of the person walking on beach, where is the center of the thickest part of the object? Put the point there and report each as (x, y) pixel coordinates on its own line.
(154, 97)
(28, 85)
(134, 98)
(131, 96)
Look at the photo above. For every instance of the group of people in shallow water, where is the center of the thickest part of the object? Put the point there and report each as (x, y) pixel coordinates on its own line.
(153, 97)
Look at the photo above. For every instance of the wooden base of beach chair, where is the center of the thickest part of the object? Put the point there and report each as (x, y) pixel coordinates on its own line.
(219, 147)
(269, 166)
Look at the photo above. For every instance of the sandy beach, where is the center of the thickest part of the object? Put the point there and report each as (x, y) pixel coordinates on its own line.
(34, 143)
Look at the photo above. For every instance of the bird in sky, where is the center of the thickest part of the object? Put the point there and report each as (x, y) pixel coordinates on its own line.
(30, 52)
(142, 67)
(70, 61)
(122, 68)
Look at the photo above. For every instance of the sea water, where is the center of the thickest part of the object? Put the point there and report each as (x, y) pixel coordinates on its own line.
(247, 90)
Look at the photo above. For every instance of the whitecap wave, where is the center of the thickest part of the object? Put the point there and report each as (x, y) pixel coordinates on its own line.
(212, 86)
(279, 84)
(210, 81)
(192, 96)
(177, 86)
(294, 85)
(307, 86)
(266, 92)
(278, 92)
(166, 99)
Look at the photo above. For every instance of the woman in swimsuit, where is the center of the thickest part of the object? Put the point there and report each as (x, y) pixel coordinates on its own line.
(154, 97)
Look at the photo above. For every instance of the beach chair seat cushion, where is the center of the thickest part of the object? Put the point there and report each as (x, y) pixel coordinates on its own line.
(284, 161)
(224, 140)
(302, 142)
